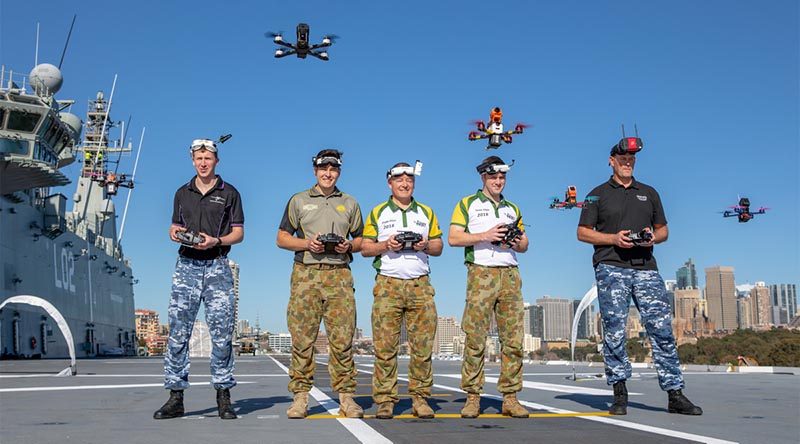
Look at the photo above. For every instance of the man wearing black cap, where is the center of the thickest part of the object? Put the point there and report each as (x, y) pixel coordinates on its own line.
(207, 219)
(316, 225)
(623, 222)
(490, 229)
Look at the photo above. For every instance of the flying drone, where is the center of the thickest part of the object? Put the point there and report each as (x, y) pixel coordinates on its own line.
(571, 200)
(494, 130)
(742, 211)
(302, 48)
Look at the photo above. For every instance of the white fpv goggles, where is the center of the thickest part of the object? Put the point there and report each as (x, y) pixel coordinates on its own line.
(207, 144)
(203, 144)
(327, 160)
(494, 168)
(416, 170)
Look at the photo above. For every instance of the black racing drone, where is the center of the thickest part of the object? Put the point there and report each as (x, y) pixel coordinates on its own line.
(302, 48)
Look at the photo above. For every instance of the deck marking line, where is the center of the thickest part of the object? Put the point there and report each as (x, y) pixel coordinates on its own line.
(94, 387)
(555, 387)
(357, 427)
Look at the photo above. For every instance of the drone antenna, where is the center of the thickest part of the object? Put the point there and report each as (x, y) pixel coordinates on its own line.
(635, 128)
(623, 130)
(64, 52)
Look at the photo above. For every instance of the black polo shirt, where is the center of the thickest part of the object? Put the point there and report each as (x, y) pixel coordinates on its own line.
(619, 208)
(213, 213)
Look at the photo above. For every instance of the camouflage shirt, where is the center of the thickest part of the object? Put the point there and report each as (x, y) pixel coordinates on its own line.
(310, 212)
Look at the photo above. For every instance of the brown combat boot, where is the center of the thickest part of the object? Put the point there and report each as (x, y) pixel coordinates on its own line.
(385, 410)
(472, 408)
(420, 407)
(299, 407)
(512, 407)
(348, 407)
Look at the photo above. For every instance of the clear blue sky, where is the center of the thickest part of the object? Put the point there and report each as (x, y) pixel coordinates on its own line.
(712, 86)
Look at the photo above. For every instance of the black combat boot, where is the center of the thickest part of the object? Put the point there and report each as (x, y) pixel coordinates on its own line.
(681, 404)
(620, 405)
(224, 404)
(173, 408)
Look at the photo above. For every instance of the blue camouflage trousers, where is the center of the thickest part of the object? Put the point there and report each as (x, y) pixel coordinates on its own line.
(615, 288)
(196, 282)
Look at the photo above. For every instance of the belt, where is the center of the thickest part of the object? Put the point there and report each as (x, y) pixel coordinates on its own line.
(324, 266)
(470, 264)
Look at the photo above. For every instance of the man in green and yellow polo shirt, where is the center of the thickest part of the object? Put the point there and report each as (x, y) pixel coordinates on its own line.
(491, 230)
(322, 285)
(401, 233)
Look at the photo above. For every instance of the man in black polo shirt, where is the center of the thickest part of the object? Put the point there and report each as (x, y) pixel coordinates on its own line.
(625, 268)
(212, 209)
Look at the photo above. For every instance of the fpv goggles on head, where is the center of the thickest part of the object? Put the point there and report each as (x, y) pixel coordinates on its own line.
(416, 170)
(330, 158)
(208, 144)
(494, 168)
(627, 145)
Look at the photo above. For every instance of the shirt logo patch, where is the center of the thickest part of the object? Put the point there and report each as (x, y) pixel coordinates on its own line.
(309, 207)
(217, 199)
(341, 208)
(642, 198)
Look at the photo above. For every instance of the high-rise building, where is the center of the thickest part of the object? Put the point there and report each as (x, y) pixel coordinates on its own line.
(243, 327)
(686, 276)
(586, 328)
(321, 344)
(784, 302)
(531, 343)
(536, 320)
(447, 328)
(687, 304)
(721, 297)
(744, 308)
(235, 271)
(146, 322)
(633, 328)
(671, 285)
(200, 342)
(762, 308)
(557, 318)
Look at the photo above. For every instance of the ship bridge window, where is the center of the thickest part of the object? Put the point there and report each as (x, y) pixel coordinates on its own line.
(14, 146)
(43, 153)
(46, 126)
(22, 121)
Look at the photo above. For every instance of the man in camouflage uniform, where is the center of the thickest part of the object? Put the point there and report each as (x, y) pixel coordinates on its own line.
(481, 223)
(622, 210)
(211, 208)
(402, 291)
(321, 284)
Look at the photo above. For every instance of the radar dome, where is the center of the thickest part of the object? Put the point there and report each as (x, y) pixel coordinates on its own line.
(73, 122)
(46, 79)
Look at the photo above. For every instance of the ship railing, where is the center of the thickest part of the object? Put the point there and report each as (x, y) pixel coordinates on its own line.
(12, 81)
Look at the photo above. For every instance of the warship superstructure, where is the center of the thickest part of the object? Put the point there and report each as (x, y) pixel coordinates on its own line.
(71, 259)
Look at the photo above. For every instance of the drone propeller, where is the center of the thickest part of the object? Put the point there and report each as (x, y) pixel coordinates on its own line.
(271, 35)
(523, 125)
(331, 37)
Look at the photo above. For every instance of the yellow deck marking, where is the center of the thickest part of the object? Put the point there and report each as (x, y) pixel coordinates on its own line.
(433, 395)
(482, 416)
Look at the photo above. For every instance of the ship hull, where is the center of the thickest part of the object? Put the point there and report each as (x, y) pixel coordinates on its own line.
(99, 310)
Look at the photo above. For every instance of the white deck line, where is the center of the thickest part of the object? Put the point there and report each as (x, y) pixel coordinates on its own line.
(92, 387)
(362, 432)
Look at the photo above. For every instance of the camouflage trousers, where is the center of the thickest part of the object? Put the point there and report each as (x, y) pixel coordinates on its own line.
(615, 288)
(196, 282)
(495, 290)
(322, 292)
(396, 299)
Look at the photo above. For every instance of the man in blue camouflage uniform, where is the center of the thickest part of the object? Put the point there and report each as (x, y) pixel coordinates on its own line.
(210, 208)
(623, 221)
